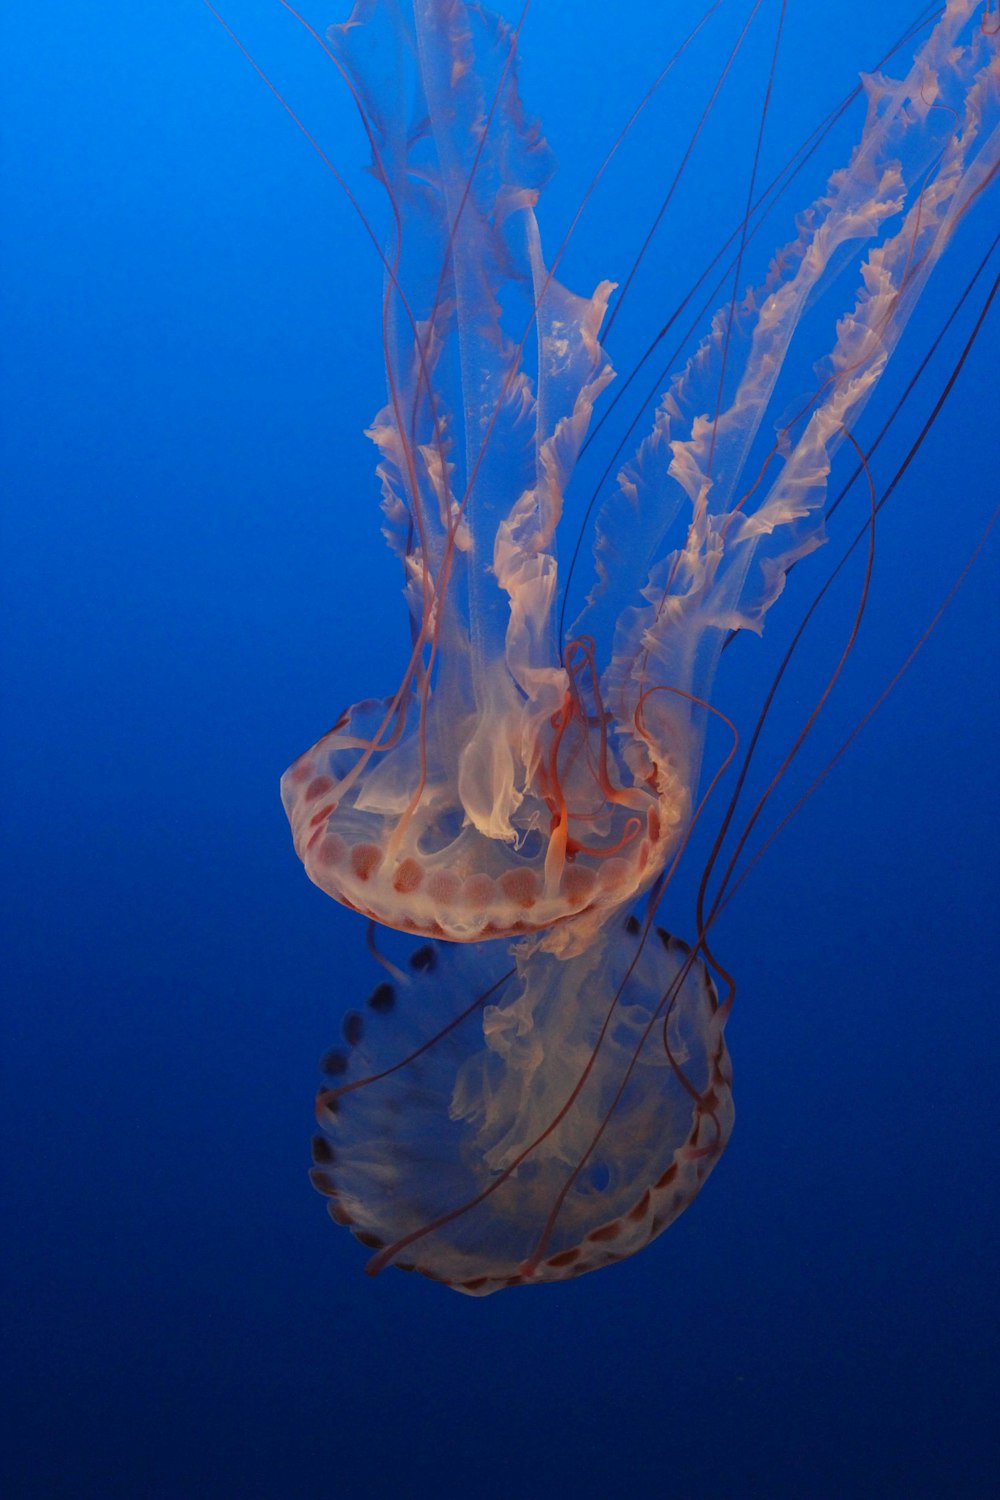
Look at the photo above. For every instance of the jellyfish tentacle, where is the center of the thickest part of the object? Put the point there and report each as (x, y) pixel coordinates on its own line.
(732, 557)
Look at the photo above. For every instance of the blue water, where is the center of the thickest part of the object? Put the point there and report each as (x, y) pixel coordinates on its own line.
(194, 584)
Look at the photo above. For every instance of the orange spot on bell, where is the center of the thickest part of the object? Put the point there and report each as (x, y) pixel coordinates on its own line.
(521, 887)
(331, 851)
(478, 892)
(578, 883)
(443, 886)
(365, 860)
(408, 877)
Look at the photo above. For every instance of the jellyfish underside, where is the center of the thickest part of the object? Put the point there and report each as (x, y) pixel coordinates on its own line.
(398, 845)
(462, 1117)
(549, 1086)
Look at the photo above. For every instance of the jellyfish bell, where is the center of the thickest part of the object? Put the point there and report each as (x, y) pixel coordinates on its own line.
(515, 782)
(502, 1117)
(423, 843)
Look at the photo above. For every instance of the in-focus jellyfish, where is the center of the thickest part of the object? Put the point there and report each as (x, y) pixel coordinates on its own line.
(515, 780)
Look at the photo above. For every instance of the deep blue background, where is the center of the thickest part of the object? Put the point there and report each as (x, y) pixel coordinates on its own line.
(194, 583)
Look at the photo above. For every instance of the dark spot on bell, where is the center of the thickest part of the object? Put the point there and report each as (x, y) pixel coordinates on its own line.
(352, 1028)
(424, 959)
(334, 1063)
(633, 926)
(565, 1257)
(372, 1241)
(640, 1210)
(322, 1151)
(382, 998)
(323, 1182)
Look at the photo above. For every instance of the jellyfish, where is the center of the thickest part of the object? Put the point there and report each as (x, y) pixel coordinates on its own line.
(546, 1086)
(499, 1118)
(520, 779)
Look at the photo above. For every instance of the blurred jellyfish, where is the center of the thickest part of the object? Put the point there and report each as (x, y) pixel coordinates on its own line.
(495, 1121)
